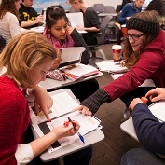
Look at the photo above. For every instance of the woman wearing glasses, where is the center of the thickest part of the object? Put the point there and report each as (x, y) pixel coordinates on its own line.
(144, 54)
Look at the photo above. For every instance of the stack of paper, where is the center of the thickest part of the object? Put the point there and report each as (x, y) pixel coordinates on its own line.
(80, 71)
(111, 67)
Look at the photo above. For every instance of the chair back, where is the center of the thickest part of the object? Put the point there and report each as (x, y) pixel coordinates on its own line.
(99, 7)
(104, 23)
(109, 9)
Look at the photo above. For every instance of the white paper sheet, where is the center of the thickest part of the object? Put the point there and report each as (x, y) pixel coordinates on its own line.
(71, 54)
(76, 19)
(87, 124)
(63, 103)
(111, 66)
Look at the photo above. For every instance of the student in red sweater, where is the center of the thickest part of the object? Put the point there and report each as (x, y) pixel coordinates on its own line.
(27, 58)
(144, 54)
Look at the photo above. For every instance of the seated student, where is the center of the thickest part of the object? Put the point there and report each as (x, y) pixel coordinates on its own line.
(145, 59)
(9, 16)
(27, 58)
(61, 35)
(29, 17)
(91, 21)
(127, 12)
(150, 132)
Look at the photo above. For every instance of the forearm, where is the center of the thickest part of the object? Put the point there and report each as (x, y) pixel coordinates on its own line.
(149, 130)
(42, 143)
(94, 101)
(28, 23)
(80, 42)
(91, 29)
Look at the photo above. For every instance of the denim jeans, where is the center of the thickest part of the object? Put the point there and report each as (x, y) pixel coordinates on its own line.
(140, 156)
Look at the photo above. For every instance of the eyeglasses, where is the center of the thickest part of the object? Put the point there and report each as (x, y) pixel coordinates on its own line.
(135, 37)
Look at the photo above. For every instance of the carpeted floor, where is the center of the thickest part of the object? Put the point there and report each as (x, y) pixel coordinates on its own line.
(116, 142)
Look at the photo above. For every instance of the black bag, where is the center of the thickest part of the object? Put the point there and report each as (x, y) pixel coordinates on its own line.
(2, 43)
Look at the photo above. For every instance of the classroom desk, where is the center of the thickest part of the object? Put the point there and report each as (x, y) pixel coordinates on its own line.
(51, 84)
(90, 138)
(102, 15)
(105, 14)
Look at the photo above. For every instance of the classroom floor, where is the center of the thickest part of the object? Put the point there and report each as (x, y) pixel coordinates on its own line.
(116, 142)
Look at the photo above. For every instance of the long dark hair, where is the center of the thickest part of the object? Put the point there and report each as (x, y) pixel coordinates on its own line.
(53, 14)
(9, 6)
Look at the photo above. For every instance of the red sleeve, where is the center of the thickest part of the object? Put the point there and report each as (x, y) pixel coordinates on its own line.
(13, 110)
(145, 68)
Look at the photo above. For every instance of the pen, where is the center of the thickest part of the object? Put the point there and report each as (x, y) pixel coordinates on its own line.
(78, 133)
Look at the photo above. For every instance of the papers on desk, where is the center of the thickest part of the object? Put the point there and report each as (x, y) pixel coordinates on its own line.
(157, 109)
(67, 103)
(80, 71)
(111, 67)
(71, 55)
(38, 29)
(62, 104)
(76, 19)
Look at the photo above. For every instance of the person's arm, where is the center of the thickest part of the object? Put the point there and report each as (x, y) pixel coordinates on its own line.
(91, 105)
(122, 16)
(38, 19)
(149, 130)
(80, 42)
(91, 22)
(136, 75)
(26, 152)
(14, 26)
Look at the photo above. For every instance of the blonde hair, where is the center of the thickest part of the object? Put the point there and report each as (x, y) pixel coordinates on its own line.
(23, 53)
(74, 1)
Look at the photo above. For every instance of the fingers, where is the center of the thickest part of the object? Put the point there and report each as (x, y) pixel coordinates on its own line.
(83, 109)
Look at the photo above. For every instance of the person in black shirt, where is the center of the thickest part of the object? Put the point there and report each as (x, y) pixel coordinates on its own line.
(29, 17)
(91, 21)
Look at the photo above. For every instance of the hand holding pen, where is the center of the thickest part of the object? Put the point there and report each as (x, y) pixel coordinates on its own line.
(74, 126)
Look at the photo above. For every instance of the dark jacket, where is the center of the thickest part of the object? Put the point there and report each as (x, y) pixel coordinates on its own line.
(150, 132)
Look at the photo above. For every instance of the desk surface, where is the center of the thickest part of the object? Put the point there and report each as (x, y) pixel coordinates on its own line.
(105, 14)
(51, 84)
(91, 138)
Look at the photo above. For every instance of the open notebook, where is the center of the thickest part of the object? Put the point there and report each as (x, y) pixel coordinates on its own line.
(64, 102)
(111, 67)
(71, 55)
(76, 19)
(80, 71)
(157, 109)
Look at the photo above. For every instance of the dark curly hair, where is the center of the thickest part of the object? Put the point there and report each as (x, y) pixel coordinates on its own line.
(8, 6)
(158, 6)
